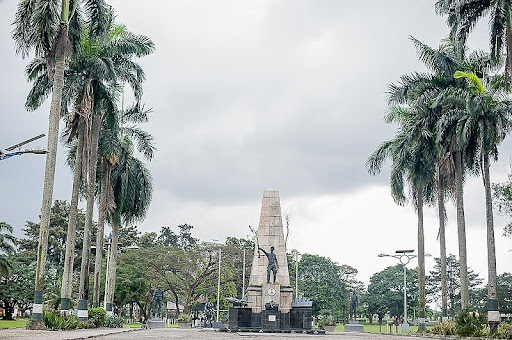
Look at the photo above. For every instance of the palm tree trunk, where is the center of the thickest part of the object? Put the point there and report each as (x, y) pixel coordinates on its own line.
(100, 236)
(461, 232)
(493, 314)
(421, 264)
(508, 63)
(111, 275)
(49, 177)
(442, 245)
(86, 251)
(67, 276)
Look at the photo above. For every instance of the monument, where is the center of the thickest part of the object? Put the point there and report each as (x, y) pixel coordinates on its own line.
(353, 325)
(156, 321)
(269, 295)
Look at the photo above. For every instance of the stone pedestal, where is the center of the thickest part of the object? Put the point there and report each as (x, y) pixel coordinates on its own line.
(270, 320)
(156, 323)
(353, 326)
(240, 317)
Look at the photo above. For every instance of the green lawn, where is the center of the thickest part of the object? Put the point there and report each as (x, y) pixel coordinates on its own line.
(18, 323)
(374, 328)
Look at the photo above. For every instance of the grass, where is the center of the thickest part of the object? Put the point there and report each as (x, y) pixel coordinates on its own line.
(374, 328)
(18, 323)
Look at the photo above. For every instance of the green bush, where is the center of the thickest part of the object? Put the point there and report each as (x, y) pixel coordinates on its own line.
(504, 331)
(470, 324)
(97, 316)
(53, 319)
(113, 322)
(444, 328)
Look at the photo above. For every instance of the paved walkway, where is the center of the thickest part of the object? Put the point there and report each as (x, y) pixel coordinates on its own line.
(182, 334)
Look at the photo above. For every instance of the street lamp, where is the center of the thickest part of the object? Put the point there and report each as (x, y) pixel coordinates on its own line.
(218, 282)
(12, 152)
(404, 256)
(297, 259)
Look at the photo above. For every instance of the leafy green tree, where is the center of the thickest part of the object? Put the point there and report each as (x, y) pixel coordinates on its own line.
(321, 281)
(502, 195)
(7, 246)
(453, 285)
(57, 234)
(385, 292)
(17, 288)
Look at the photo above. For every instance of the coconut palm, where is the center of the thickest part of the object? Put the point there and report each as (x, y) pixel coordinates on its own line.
(132, 188)
(481, 128)
(7, 246)
(45, 28)
(463, 15)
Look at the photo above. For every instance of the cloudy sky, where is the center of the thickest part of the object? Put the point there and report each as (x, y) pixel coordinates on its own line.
(249, 95)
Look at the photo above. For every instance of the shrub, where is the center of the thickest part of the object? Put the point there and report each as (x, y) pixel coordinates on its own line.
(504, 331)
(470, 324)
(55, 320)
(97, 316)
(113, 322)
(444, 328)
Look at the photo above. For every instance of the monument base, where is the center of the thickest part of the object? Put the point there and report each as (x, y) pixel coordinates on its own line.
(156, 323)
(240, 317)
(354, 326)
(301, 317)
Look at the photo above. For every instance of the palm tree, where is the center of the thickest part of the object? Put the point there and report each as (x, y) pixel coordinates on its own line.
(7, 246)
(412, 152)
(109, 151)
(132, 187)
(463, 15)
(482, 128)
(40, 28)
(435, 87)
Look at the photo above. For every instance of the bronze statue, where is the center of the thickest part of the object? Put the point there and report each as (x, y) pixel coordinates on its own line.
(353, 305)
(158, 298)
(273, 266)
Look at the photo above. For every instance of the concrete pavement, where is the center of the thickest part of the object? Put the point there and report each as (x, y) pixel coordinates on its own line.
(182, 334)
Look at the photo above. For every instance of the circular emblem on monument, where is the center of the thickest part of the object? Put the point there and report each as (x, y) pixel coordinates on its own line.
(271, 291)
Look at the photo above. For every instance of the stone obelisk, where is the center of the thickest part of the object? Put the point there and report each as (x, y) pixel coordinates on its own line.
(270, 234)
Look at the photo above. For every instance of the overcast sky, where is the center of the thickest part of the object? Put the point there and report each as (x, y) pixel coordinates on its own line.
(249, 95)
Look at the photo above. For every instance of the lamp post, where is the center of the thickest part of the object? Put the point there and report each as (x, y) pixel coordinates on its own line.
(404, 256)
(218, 286)
(16, 150)
(297, 259)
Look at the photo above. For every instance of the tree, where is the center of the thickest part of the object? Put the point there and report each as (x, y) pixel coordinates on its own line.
(321, 281)
(385, 292)
(39, 28)
(453, 285)
(132, 190)
(482, 127)
(463, 15)
(7, 246)
(502, 195)
(17, 287)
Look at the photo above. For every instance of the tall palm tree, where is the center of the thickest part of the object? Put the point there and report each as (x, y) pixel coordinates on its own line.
(132, 187)
(463, 15)
(434, 87)
(412, 152)
(43, 27)
(483, 126)
(7, 246)
(109, 151)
